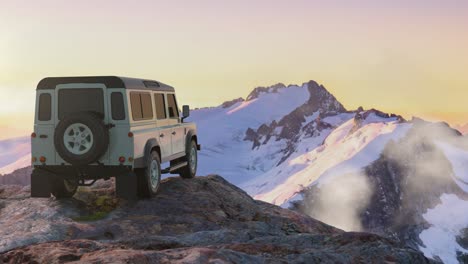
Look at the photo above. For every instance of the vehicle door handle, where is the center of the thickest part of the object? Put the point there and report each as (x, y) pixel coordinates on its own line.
(162, 135)
(110, 125)
(173, 133)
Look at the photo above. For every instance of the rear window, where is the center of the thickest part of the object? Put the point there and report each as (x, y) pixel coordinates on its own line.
(45, 107)
(80, 100)
(172, 106)
(160, 106)
(117, 106)
(142, 108)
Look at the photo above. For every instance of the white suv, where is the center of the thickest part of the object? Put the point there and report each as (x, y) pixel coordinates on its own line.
(90, 128)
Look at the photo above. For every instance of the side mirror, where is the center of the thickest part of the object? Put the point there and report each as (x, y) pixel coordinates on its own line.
(185, 112)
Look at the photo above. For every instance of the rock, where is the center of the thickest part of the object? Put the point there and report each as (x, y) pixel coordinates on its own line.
(205, 219)
(270, 89)
(228, 104)
(18, 177)
(200, 220)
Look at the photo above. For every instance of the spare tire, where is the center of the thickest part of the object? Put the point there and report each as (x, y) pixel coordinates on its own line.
(81, 138)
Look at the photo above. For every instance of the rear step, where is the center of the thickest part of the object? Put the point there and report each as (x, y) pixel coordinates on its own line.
(175, 167)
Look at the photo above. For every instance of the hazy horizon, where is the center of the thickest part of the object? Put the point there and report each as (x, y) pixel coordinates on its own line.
(399, 57)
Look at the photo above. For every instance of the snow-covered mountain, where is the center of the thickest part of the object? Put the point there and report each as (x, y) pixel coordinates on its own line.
(298, 147)
(421, 170)
(14, 154)
(363, 170)
(244, 139)
(268, 142)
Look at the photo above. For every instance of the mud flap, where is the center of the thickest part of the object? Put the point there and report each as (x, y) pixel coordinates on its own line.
(41, 184)
(126, 186)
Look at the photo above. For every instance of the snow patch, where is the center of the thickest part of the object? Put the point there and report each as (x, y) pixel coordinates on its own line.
(447, 220)
(459, 160)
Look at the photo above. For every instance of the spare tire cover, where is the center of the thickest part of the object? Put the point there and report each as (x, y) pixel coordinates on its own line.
(81, 138)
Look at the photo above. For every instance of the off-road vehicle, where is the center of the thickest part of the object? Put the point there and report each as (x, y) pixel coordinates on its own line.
(90, 128)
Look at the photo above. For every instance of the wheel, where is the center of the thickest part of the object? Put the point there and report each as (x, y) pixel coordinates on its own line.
(190, 170)
(81, 138)
(150, 177)
(62, 188)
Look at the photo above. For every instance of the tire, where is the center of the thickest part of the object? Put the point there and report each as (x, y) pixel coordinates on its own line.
(191, 157)
(149, 179)
(81, 138)
(64, 188)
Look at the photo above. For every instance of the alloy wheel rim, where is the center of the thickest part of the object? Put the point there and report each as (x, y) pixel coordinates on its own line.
(193, 159)
(78, 138)
(154, 174)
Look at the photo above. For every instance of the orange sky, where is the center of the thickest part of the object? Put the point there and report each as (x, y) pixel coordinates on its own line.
(410, 59)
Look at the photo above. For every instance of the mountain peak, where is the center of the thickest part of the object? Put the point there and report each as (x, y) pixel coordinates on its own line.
(321, 99)
(261, 89)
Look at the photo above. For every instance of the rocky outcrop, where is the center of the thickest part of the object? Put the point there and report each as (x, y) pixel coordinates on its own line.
(320, 101)
(18, 177)
(361, 115)
(259, 90)
(200, 220)
(228, 104)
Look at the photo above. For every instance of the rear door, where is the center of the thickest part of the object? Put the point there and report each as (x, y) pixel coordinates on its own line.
(81, 97)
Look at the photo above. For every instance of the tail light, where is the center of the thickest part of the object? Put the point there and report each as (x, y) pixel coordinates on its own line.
(42, 159)
(130, 134)
(122, 159)
(33, 135)
(33, 159)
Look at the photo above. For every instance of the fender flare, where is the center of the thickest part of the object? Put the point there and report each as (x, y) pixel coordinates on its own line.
(188, 138)
(150, 144)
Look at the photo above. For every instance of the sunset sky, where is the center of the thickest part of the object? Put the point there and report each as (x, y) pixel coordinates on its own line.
(407, 58)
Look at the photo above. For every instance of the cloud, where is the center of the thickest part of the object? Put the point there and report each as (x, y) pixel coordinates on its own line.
(340, 202)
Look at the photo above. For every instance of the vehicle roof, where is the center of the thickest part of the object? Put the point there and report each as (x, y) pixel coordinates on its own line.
(109, 81)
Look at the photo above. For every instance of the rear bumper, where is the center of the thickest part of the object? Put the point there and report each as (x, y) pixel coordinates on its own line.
(85, 172)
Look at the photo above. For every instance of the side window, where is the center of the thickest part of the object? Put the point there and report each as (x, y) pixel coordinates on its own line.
(160, 106)
(45, 107)
(117, 106)
(146, 106)
(136, 106)
(172, 106)
(142, 108)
